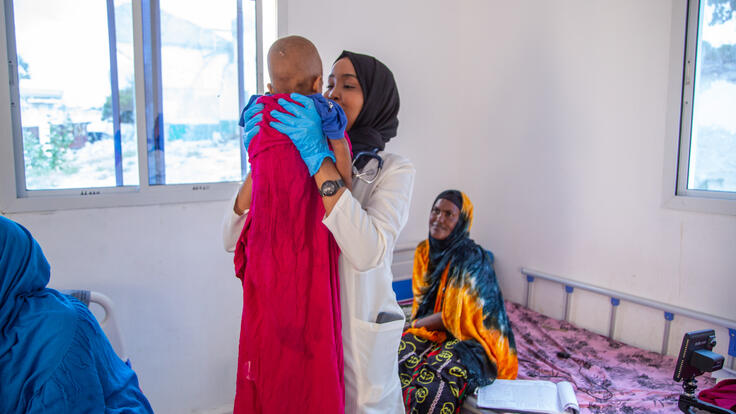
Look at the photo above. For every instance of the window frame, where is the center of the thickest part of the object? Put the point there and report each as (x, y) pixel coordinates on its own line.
(147, 76)
(682, 71)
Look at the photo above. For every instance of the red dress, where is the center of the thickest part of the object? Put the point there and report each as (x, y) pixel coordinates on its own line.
(290, 358)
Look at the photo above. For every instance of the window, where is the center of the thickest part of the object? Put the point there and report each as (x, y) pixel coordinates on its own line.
(707, 151)
(129, 102)
(65, 85)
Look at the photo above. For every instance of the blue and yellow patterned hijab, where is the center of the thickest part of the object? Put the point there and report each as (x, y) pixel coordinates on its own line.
(457, 245)
(455, 277)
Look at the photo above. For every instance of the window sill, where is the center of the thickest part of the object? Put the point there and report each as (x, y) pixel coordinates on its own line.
(701, 205)
(117, 197)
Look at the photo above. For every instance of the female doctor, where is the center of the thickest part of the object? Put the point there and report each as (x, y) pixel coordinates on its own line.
(365, 221)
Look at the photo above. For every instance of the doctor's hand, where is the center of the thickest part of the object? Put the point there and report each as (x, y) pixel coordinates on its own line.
(249, 118)
(304, 128)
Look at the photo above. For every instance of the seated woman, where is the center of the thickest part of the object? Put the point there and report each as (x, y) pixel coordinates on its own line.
(460, 337)
(54, 357)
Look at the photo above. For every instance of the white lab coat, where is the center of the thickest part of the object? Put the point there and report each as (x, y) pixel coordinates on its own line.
(365, 224)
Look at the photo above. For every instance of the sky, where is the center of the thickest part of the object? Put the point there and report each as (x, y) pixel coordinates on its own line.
(65, 43)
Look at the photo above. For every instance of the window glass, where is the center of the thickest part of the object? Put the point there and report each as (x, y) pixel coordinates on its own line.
(86, 69)
(199, 78)
(713, 138)
(63, 56)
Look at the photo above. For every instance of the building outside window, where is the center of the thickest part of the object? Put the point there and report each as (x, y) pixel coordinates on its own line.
(117, 98)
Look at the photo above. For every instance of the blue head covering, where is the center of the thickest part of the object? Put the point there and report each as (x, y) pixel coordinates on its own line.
(23, 267)
(33, 338)
(54, 357)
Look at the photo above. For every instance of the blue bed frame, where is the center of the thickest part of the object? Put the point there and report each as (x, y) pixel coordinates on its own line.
(616, 297)
(403, 291)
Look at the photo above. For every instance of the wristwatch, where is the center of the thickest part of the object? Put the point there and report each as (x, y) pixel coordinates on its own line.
(330, 187)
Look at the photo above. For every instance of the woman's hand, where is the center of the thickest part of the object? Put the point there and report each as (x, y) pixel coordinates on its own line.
(333, 118)
(248, 119)
(304, 128)
(432, 322)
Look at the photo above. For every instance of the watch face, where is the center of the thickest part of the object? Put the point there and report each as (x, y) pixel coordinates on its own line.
(329, 188)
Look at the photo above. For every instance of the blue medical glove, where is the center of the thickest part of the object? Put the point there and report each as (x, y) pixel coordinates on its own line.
(249, 118)
(304, 129)
(333, 117)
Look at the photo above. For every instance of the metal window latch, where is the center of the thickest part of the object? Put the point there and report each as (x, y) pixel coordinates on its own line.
(10, 73)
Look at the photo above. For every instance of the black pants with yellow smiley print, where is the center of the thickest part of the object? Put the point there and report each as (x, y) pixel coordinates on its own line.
(433, 380)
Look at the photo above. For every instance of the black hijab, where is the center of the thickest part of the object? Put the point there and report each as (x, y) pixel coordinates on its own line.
(377, 121)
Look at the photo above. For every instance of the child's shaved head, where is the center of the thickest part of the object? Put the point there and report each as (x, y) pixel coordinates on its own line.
(294, 65)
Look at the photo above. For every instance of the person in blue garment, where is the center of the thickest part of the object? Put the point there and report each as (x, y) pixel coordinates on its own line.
(54, 357)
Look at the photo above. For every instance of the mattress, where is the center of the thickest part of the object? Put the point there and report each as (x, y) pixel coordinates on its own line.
(608, 376)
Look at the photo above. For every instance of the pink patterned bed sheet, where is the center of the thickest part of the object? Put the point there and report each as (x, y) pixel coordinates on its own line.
(608, 376)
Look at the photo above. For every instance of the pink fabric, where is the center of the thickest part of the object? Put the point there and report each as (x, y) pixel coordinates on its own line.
(722, 395)
(608, 376)
(290, 358)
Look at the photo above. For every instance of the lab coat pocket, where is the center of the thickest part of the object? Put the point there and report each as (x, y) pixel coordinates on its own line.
(377, 346)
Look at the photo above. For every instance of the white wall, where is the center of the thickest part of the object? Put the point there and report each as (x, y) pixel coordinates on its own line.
(550, 115)
(571, 138)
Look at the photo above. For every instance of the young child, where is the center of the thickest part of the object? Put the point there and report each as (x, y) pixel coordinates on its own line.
(294, 65)
(290, 354)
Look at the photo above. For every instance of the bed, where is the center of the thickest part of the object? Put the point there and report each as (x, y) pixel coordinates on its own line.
(608, 376)
(107, 321)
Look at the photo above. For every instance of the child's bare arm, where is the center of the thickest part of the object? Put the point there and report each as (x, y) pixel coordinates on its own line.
(344, 162)
(243, 199)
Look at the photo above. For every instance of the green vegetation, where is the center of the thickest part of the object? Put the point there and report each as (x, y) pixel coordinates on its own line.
(44, 158)
(127, 106)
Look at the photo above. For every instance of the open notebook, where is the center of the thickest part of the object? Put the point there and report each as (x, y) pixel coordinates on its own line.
(525, 396)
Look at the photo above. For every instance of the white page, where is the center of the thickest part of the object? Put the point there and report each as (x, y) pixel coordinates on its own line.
(568, 401)
(523, 395)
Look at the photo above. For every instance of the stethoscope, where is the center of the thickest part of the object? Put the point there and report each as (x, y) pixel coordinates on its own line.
(371, 167)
